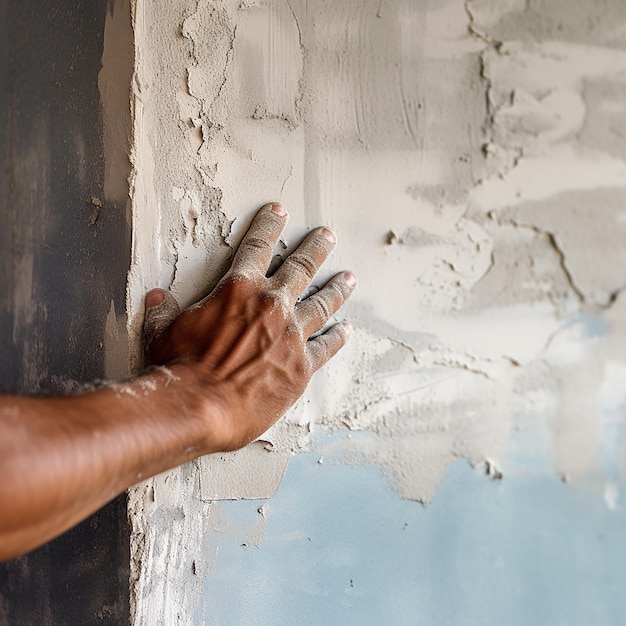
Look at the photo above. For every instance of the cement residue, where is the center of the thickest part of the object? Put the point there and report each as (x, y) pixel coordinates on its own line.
(478, 135)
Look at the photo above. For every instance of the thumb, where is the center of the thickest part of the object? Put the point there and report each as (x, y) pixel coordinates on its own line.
(161, 310)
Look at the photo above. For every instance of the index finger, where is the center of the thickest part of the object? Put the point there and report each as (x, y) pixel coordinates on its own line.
(256, 249)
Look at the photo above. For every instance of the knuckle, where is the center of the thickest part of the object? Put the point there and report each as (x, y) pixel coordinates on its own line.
(336, 337)
(340, 290)
(320, 352)
(322, 306)
(154, 325)
(233, 281)
(332, 336)
(294, 330)
(233, 288)
(253, 242)
(230, 287)
(269, 300)
(302, 264)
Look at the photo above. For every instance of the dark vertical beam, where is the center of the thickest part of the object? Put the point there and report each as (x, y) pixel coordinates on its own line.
(63, 259)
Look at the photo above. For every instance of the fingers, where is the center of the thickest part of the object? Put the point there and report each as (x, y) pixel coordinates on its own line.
(322, 348)
(257, 247)
(161, 310)
(298, 269)
(317, 309)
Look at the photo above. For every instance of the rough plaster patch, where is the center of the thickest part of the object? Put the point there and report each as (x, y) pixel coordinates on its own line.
(576, 220)
(451, 163)
(230, 476)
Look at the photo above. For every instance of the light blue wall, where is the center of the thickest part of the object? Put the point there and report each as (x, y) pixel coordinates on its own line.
(341, 548)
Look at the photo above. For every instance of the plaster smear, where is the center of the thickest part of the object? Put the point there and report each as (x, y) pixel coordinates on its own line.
(471, 172)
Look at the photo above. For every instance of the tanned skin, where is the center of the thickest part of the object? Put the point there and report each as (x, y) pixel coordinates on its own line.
(230, 366)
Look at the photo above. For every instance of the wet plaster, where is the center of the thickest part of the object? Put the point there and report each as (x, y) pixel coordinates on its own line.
(468, 156)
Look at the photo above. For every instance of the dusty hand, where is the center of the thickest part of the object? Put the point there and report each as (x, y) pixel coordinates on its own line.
(248, 343)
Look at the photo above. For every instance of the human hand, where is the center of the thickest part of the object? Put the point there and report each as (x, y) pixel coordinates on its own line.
(248, 344)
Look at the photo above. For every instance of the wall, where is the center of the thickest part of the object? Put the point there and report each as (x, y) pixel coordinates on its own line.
(64, 256)
(470, 157)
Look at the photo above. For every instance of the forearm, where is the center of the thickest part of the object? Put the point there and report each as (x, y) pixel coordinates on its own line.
(63, 458)
(244, 354)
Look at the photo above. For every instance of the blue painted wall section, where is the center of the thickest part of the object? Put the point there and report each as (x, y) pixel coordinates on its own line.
(341, 548)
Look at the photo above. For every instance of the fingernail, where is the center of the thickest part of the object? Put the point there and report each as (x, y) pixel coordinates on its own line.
(329, 235)
(348, 328)
(154, 298)
(278, 208)
(350, 279)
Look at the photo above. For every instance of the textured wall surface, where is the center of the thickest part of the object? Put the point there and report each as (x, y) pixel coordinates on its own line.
(471, 157)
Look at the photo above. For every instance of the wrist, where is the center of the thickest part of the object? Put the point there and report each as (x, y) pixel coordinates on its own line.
(209, 407)
(197, 407)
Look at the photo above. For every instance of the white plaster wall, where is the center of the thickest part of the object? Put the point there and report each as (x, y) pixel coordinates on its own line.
(470, 157)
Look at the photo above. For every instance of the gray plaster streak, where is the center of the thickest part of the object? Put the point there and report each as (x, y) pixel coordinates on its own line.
(605, 102)
(467, 155)
(600, 23)
(590, 230)
(115, 345)
(227, 476)
(114, 83)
